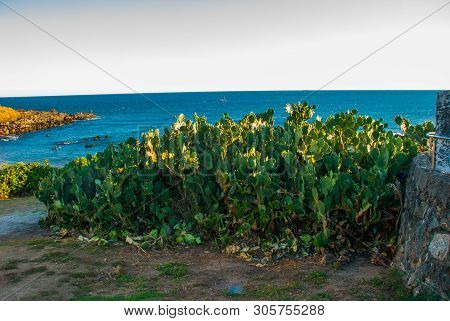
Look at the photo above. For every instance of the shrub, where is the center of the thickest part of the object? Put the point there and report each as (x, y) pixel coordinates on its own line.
(303, 185)
(8, 114)
(20, 178)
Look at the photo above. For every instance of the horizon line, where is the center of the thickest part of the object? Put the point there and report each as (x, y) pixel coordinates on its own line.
(214, 91)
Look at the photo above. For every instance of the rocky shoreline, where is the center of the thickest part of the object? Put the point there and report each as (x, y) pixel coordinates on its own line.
(16, 122)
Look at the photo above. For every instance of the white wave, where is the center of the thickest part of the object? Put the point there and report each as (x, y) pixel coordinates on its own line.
(69, 142)
(8, 138)
(87, 119)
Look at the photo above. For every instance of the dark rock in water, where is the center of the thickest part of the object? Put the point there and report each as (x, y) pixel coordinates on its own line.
(85, 141)
(16, 122)
(100, 137)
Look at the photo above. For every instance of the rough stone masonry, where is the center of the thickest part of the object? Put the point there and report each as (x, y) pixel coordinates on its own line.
(443, 129)
(424, 236)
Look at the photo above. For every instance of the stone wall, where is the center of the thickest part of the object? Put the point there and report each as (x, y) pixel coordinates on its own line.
(443, 129)
(424, 238)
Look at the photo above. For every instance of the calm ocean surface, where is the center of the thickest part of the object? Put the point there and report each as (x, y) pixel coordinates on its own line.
(128, 115)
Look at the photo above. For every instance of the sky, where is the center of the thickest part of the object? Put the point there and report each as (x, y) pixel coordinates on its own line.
(212, 45)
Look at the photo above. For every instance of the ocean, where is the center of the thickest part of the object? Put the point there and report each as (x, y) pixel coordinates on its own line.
(128, 115)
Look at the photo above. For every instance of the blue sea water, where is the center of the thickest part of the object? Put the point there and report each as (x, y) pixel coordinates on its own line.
(128, 115)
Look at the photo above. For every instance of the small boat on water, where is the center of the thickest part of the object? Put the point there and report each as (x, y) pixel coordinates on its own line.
(223, 99)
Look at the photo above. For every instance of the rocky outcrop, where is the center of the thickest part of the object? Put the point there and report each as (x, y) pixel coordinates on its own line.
(424, 236)
(16, 122)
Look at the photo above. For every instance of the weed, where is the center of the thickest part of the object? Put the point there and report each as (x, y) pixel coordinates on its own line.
(317, 278)
(322, 296)
(140, 282)
(272, 292)
(13, 277)
(147, 295)
(391, 283)
(176, 270)
(41, 243)
(35, 270)
(11, 265)
(56, 257)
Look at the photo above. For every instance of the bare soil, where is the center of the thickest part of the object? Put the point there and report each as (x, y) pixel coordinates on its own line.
(41, 267)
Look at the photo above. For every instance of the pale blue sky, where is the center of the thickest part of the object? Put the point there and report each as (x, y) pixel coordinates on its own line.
(163, 46)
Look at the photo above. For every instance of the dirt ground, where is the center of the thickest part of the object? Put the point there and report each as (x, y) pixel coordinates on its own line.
(41, 267)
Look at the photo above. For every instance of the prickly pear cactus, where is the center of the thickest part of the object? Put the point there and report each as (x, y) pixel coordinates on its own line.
(309, 184)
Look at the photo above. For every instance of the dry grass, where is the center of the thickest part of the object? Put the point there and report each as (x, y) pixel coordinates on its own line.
(8, 114)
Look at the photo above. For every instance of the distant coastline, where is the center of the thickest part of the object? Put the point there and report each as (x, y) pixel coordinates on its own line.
(19, 121)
